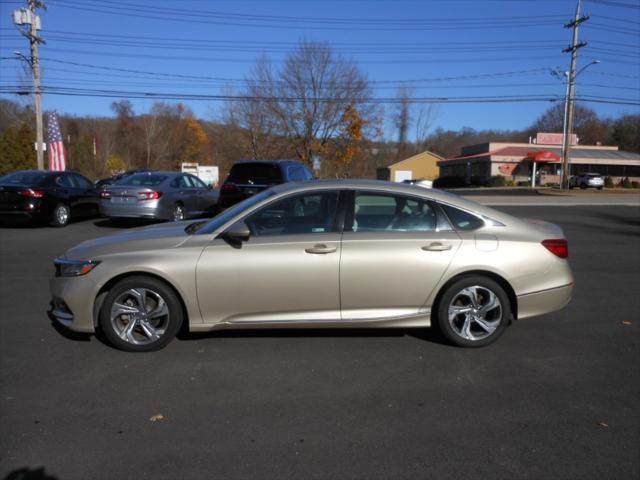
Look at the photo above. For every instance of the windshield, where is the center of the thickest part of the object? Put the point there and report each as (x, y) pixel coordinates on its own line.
(255, 174)
(228, 214)
(25, 178)
(143, 179)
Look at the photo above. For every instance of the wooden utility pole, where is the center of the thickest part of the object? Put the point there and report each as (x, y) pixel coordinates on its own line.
(28, 16)
(570, 100)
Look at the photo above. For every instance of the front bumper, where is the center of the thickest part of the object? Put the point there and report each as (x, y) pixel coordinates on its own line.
(72, 302)
(545, 301)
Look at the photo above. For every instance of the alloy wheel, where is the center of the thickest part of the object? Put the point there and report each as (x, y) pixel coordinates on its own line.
(62, 214)
(475, 313)
(178, 213)
(139, 316)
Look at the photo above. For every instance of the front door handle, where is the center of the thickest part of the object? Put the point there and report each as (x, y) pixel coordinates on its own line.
(437, 247)
(320, 249)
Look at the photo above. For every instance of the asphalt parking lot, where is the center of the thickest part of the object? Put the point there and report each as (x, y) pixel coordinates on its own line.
(556, 397)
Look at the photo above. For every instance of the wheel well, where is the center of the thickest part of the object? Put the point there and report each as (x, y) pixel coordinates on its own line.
(513, 300)
(97, 304)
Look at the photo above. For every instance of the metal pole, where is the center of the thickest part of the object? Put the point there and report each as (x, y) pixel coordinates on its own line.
(35, 67)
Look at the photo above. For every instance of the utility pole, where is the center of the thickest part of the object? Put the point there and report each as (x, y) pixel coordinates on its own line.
(28, 16)
(570, 100)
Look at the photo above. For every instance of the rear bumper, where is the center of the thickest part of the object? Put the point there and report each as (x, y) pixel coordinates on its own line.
(545, 301)
(152, 210)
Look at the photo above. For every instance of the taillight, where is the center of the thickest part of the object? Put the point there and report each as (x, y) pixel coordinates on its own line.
(32, 193)
(105, 194)
(149, 195)
(559, 247)
(228, 187)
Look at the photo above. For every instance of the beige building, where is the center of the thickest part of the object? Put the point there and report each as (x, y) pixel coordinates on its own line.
(421, 166)
(477, 163)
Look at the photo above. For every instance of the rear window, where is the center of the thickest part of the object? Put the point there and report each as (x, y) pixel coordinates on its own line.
(25, 178)
(255, 174)
(143, 179)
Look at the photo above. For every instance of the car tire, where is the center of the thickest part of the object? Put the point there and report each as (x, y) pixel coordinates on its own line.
(60, 215)
(599, 188)
(128, 327)
(583, 186)
(465, 315)
(179, 213)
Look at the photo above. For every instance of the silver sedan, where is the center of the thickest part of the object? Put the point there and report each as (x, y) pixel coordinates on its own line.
(159, 195)
(319, 254)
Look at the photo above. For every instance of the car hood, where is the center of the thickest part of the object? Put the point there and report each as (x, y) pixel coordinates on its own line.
(155, 237)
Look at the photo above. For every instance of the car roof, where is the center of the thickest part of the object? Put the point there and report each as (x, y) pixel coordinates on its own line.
(269, 162)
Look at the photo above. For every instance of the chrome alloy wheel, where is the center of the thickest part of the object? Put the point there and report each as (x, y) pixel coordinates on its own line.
(62, 214)
(178, 213)
(475, 313)
(139, 316)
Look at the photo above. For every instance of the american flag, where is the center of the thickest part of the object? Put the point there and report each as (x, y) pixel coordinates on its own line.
(57, 154)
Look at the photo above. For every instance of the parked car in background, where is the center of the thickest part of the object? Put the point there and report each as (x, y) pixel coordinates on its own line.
(587, 180)
(321, 254)
(246, 178)
(105, 182)
(420, 182)
(51, 197)
(160, 196)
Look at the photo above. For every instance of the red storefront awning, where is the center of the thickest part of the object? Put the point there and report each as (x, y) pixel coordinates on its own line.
(543, 156)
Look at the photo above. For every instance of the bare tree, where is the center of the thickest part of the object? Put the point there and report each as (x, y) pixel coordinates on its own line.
(425, 117)
(305, 100)
(402, 118)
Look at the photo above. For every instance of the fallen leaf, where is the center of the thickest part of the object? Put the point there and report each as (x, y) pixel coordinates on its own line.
(602, 424)
(627, 322)
(157, 417)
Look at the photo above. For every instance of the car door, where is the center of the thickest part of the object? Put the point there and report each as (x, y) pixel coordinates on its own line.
(206, 197)
(395, 249)
(188, 195)
(67, 190)
(88, 196)
(286, 272)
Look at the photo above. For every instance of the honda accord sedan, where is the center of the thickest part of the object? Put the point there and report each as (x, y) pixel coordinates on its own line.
(158, 196)
(318, 254)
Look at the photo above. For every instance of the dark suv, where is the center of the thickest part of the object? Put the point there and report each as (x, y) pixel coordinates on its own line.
(249, 177)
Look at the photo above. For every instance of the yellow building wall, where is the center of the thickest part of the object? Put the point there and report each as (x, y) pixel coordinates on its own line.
(423, 165)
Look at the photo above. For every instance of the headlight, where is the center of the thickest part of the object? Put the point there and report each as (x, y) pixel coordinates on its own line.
(73, 268)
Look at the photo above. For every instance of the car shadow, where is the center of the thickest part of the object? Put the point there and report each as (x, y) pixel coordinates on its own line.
(66, 333)
(133, 223)
(26, 473)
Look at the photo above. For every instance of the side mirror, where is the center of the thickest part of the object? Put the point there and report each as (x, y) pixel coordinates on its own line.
(238, 232)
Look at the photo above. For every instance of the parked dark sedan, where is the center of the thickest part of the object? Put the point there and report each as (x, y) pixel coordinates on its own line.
(52, 197)
(249, 177)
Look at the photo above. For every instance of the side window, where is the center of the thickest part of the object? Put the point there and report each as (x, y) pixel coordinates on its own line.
(65, 181)
(374, 212)
(297, 214)
(183, 182)
(82, 182)
(462, 220)
(294, 173)
(197, 182)
(307, 174)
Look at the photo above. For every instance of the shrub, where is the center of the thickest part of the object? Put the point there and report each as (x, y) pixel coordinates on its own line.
(523, 183)
(608, 182)
(626, 183)
(497, 181)
(635, 184)
(449, 182)
(510, 183)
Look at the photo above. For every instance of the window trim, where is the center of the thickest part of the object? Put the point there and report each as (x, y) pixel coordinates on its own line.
(486, 221)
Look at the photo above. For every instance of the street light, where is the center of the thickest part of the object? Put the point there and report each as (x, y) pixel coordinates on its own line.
(559, 74)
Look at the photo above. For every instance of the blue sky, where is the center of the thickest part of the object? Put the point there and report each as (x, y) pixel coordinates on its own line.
(392, 41)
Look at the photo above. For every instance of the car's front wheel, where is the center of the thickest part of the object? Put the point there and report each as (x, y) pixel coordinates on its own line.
(178, 213)
(473, 311)
(140, 314)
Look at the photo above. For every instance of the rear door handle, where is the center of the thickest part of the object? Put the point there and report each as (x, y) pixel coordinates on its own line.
(320, 249)
(437, 247)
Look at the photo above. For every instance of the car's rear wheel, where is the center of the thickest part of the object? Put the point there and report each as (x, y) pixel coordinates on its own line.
(60, 215)
(178, 212)
(140, 314)
(473, 312)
